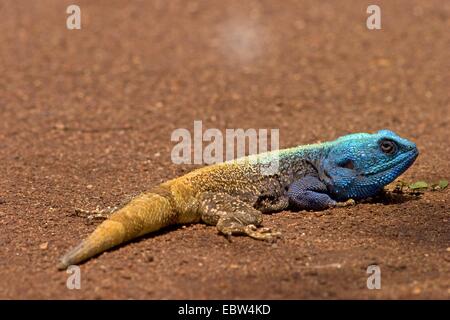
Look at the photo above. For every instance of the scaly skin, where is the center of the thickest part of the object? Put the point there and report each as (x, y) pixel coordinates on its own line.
(233, 195)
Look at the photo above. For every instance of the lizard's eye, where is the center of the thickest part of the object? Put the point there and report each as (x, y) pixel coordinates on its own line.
(388, 146)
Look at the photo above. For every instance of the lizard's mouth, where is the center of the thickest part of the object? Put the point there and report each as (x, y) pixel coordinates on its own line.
(397, 165)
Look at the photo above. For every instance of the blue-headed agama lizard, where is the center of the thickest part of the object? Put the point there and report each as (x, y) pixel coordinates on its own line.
(234, 195)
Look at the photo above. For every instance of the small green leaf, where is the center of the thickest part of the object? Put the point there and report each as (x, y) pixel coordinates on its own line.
(443, 184)
(418, 185)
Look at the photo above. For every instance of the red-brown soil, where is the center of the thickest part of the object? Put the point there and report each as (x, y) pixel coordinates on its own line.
(86, 119)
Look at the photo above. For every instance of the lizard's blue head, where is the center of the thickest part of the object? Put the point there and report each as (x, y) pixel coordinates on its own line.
(359, 165)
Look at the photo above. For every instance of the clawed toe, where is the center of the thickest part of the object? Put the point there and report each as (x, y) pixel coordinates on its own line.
(348, 203)
(264, 230)
(261, 233)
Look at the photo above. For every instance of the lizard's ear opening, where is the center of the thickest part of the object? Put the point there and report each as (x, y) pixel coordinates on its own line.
(348, 164)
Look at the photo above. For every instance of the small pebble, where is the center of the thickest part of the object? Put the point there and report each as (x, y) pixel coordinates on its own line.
(416, 291)
(60, 126)
(43, 246)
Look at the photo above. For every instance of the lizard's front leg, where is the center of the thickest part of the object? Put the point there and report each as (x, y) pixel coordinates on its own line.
(310, 193)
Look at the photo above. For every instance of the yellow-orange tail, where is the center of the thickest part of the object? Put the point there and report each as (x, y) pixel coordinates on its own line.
(146, 213)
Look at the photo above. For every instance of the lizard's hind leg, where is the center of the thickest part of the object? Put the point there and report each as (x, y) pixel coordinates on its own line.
(233, 216)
